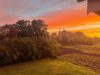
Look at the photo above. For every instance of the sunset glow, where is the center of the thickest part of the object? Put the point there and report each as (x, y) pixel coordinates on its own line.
(58, 14)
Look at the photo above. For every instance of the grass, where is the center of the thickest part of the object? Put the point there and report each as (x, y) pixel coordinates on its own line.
(45, 67)
(91, 62)
(83, 55)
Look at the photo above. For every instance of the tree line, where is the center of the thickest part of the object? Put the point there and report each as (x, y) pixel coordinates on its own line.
(73, 38)
(24, 28)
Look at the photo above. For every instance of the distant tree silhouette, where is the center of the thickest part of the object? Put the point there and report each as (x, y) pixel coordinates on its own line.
(73, 38)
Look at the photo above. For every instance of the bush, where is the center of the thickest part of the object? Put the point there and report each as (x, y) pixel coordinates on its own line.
(47, 48)
(27, 48)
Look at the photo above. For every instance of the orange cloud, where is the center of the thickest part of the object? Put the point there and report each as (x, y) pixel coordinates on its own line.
(66, 18)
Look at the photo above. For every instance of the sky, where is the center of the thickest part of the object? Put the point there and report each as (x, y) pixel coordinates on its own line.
(58, 14)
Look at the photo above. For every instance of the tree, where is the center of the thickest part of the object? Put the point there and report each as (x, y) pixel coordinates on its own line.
(39, 27)
(21, 27)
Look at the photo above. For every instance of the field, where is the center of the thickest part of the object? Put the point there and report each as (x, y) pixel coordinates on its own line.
(82, 58)
(46, 67)
(88, 61)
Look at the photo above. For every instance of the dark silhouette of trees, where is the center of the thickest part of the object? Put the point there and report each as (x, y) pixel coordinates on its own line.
(24, 28)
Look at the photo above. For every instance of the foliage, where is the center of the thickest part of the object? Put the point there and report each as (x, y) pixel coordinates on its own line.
(24, 28)
(24, 49)
(24, 41)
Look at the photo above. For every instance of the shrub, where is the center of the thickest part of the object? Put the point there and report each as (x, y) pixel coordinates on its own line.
(28, 48)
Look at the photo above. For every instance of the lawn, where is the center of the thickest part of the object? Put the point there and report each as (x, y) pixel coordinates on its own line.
(45, 67)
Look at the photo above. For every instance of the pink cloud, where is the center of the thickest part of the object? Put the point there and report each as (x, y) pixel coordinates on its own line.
(63, 18)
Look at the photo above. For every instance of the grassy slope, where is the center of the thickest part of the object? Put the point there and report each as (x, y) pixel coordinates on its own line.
(45, 67)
